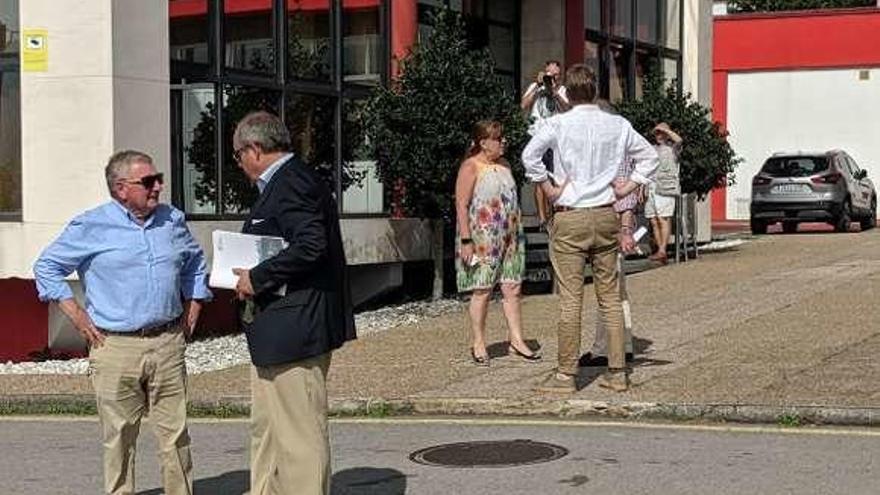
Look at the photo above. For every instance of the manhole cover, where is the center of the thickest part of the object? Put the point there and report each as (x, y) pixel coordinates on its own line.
(494, 454)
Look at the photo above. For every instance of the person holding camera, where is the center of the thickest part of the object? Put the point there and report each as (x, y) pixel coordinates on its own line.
(660, 206)
(544, 98)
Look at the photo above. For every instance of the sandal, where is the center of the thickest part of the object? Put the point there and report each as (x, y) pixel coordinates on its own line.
(534, 356)
(479, 360)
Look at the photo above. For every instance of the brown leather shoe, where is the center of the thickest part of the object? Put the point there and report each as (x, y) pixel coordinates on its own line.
(557, 383)
(617, 381)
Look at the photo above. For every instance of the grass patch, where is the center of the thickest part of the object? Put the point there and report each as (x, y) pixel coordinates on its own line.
(789, 420)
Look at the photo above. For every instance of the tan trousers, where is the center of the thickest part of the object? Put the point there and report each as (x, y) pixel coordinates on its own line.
(578, 236)
(135, 376)
(290, 445)
(600, 343)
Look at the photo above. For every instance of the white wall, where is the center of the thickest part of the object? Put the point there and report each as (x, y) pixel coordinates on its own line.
(106, 88)
(800, 110)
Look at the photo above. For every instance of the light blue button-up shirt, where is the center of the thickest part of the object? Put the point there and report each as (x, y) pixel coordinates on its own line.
(266, 176)
(134, 275)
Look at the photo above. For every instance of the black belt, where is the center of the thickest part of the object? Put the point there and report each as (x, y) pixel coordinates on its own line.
(147, 331)
(560, 208)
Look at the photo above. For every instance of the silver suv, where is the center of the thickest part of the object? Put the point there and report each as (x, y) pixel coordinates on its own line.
(812, 187)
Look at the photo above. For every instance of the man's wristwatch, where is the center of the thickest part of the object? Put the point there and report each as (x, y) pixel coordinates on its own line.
(466, 240)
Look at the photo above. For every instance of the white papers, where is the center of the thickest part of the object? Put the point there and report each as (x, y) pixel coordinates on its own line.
(234, 250)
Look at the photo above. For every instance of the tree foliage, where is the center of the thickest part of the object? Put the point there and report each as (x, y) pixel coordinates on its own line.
(707, 160)
(419, 128)
(777, 5)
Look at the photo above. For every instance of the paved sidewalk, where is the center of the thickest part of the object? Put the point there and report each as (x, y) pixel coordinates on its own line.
(781, 322)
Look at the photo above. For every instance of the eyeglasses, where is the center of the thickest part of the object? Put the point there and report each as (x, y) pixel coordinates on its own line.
(147, 181)
(237, 153)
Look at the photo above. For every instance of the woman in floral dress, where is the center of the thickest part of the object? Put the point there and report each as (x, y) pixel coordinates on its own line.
(490, 243)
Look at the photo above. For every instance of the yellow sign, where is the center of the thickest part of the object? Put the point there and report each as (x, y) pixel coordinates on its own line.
(35, 50)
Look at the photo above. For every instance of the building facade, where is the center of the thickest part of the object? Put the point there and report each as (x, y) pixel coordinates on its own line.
(795, 81)
(171, 77)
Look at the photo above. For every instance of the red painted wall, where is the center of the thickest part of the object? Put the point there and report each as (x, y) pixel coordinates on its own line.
(788, 41)
(24, 323)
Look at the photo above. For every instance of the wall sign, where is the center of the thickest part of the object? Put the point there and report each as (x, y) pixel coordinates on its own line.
(35, 50)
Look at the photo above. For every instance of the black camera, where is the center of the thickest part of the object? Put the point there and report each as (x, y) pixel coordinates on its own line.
(548, 81)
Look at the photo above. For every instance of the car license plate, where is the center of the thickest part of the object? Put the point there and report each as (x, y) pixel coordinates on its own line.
(791, 189)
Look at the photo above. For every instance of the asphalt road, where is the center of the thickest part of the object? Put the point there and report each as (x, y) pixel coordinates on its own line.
(62, 456)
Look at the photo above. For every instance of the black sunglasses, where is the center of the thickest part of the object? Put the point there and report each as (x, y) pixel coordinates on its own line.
(148, 181)
(237, 153)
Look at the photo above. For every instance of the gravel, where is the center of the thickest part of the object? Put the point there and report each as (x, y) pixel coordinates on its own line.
(231, 350)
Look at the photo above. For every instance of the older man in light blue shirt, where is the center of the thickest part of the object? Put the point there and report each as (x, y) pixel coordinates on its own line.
(144, 277)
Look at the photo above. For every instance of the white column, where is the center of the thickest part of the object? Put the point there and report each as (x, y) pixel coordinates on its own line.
(697, 80)
(106, 88)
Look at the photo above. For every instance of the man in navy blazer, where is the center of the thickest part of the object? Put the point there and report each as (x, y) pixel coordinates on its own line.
(297, 311)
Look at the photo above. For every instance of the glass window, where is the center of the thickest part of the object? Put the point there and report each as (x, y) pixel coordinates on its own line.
(361, 42)
(646, 63)
(188, 30)
(309, 54)
(646, 21)
(502, 10)
(238, 193)
(591, 55)
(363, 190)
(621, 17)
(501, 46)
(310, 121)
(670, 69)
(247, 29)
(618, 73)
(593, 14)
(671, 23)
(198, 115)
(10, 113)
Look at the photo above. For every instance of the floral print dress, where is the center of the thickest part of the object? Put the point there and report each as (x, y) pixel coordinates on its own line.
(496, 232)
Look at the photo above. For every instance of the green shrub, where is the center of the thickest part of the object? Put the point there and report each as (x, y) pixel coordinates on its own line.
(707, 160)
(776, 5)
(418, 129)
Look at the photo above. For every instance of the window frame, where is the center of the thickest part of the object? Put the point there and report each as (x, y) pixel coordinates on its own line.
(13, 59)
(216, 72)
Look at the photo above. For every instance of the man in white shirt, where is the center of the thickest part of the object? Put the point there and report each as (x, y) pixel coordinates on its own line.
(592, 145)
(543, 99)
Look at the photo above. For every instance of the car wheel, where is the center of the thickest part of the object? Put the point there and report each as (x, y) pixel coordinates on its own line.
(869, 221)
(789, 227)
(758, 227)
(841, 224)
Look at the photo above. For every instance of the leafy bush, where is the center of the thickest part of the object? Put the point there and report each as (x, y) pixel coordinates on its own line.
(776, 5)
(707, 160)
(419, 128)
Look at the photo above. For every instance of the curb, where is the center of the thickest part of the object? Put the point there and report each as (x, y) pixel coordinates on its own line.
(238, 406)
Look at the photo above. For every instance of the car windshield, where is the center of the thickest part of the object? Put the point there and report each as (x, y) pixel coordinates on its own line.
(795, 166)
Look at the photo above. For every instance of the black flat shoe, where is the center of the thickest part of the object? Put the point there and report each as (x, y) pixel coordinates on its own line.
(479, 360)
(589, 360)
(528, 357)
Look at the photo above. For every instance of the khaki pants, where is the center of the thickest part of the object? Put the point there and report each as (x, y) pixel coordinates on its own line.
(134, 376)
(290, 445)
(600, 343)
(576, 237)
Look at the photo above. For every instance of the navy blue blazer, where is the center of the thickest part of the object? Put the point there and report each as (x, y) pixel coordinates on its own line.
(315, 315)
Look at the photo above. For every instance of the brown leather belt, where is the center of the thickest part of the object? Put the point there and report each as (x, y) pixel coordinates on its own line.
(145, 332)
(560, 208)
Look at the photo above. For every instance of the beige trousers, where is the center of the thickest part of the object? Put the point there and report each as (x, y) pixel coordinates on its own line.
(290, 445)
(135, 376)
(579, 236)
(600, 343)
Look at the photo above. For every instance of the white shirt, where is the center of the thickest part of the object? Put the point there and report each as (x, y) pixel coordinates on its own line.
(266, 176)
(592, 145)
(540, 109)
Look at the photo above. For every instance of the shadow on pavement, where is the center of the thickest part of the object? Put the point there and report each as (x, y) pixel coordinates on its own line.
(231, 483)
(500, 349)
(368, 481)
